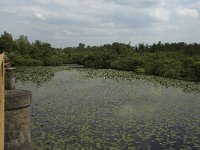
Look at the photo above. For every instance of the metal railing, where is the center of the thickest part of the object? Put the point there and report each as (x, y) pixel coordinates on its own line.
(2, 101)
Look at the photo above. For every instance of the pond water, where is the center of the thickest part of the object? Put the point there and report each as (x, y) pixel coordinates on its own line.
(78, 108)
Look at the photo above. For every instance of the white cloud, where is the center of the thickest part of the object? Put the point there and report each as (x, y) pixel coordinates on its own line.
(187, 12)
(161, 14)
(40, 16)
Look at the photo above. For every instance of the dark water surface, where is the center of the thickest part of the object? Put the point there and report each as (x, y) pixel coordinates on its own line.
(77, 108)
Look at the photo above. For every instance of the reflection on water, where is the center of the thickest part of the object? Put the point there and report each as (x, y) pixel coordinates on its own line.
(108, 109)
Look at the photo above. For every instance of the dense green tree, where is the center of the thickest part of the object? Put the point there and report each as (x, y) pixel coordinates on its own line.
(128, 63)
(6, 42)
(171, 60)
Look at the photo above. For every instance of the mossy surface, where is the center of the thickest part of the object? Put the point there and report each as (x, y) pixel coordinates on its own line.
(108, 109)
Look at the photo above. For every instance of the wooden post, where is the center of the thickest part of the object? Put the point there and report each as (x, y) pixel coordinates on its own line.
(2, 102)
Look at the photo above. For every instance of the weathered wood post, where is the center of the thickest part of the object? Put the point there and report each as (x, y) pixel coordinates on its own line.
(17, 115)
(1, 101)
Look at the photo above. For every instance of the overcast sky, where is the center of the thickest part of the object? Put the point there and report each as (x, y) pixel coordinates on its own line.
(94, 22)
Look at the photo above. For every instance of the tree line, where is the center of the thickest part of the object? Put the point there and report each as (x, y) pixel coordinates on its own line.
(171, 60)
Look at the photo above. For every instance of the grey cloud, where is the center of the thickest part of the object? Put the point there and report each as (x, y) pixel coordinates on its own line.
(68, 22)
(137, 3)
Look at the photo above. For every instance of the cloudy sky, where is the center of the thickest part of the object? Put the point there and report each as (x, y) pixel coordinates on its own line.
(95, 22)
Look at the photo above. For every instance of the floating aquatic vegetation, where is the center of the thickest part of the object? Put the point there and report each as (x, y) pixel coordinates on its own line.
(118, 75)
(109, 109)
(37, 74)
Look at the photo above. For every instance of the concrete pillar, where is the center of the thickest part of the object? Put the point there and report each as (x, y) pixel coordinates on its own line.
(9, 78)
(17, 120)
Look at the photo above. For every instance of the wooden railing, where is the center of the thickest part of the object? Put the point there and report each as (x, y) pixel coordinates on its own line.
(2, 101)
